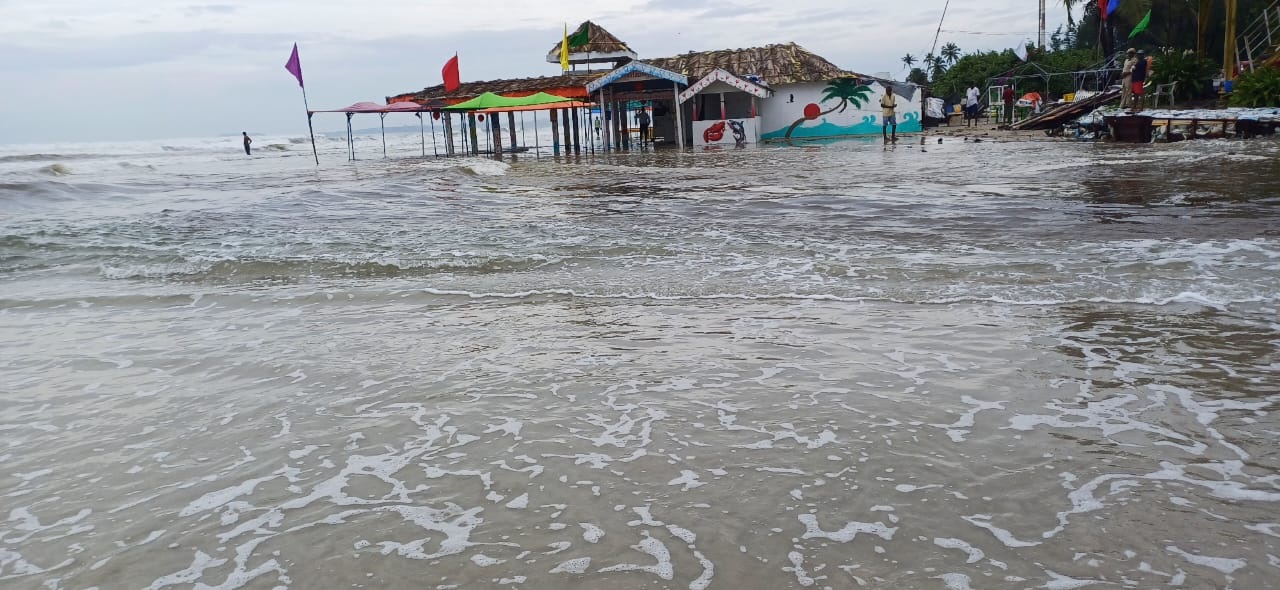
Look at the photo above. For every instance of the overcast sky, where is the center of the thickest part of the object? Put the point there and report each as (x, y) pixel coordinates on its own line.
(88, 70)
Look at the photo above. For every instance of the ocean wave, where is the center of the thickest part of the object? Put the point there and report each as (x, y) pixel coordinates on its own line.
(483, 167)
(291, 270)
(276, 147)
(1184, 298)
(47, 157)
(56, 169)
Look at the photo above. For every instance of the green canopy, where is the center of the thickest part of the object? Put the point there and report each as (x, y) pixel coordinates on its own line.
(490, 100)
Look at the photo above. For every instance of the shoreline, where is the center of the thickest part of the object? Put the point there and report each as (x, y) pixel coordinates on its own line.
(990, 132)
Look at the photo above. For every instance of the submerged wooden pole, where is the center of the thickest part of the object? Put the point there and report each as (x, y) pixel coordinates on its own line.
(474, 133)
(565, 126)
(679, 108)
(497, 135)
(447, 126)
(511, 127)
(555, 133)
(604, 123)
(575, 114)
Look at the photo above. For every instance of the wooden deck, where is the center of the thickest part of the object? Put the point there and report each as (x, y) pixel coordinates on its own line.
(1171, 125)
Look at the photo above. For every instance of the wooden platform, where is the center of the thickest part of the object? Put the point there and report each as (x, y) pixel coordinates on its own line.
(1171, 125)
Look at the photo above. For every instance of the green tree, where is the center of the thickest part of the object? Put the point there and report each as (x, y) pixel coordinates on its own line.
(844, 90)
(908, 60)
(951, 53)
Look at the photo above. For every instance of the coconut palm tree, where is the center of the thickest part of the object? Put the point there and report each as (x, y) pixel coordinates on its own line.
(846, 90)
(1070, 6)
(908, 60)
(951, 53)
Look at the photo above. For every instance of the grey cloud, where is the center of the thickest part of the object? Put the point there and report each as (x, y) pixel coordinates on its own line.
(210, 9)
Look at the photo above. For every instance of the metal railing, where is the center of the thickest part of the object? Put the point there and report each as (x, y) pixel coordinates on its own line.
(1259, 41)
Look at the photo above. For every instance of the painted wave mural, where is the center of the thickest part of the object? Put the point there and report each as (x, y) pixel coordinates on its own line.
(870, 125)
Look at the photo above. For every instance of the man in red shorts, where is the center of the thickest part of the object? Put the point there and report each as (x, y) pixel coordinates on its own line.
(1139, 79)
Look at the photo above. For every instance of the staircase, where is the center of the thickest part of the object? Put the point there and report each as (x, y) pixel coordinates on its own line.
(1259, 44)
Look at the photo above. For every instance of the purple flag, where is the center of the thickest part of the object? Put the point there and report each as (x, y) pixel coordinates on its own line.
(294, 66)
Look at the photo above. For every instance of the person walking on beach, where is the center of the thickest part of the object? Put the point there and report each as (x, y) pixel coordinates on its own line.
(1126, 79)
(596, 123)
(642, 119)
(1139, 79)
(889, 109)
(971, 104)
(1008, 97)
(247, 141)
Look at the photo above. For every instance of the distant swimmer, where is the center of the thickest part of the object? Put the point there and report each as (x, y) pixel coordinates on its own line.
(247, 141)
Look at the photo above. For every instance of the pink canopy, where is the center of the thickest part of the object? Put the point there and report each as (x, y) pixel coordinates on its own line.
(373, 107)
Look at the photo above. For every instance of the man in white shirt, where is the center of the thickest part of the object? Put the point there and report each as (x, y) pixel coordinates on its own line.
(971, 104)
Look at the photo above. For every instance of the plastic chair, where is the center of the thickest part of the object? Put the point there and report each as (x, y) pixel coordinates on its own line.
(1165, 90)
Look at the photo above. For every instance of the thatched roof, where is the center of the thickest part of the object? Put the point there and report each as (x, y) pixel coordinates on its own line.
(599, 42)
(569, 85)
(785, 63)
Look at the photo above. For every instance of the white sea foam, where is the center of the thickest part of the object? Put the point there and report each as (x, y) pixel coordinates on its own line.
(847, 533)
(653, 547)
(577, 565)
(975, 554)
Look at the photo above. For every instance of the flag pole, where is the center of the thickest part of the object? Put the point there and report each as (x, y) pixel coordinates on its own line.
(310, 129)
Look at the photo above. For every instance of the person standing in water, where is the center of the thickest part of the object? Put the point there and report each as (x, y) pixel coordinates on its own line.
(247, 141)
(889, 110)
(642, 118)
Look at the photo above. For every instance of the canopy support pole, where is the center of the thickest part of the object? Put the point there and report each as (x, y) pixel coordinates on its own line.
(511, 128)
(564, 123)
(575, 114)
(496, 131)
(422, 132)
(382, 119)
(555, 134)
(434, 150)
(679, 108)
(604, 124)
(351, 144)
(473, 133)
(537, 147)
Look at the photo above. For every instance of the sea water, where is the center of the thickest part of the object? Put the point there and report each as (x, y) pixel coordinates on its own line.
(837, 365)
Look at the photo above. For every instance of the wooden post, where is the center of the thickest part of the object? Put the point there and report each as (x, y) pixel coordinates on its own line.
(577, 139)
(565, 126)
(620, 122)
(555, 133)
(604, 123)
(675, 97)
(511, 124)
(497, 135)
(474, 134)
(448, 133)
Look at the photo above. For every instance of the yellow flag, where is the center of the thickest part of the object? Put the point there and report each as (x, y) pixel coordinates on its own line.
(564, 49)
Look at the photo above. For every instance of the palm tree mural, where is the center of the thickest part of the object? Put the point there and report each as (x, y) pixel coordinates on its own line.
(908, 60)
(951, 53)
(846, 90)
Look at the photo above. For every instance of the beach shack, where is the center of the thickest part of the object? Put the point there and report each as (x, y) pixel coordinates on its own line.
(788, 93)
(778, 92)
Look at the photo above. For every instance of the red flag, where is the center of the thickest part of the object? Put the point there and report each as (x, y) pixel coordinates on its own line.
(1102, 9)
(450, 73)
(294, 65)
